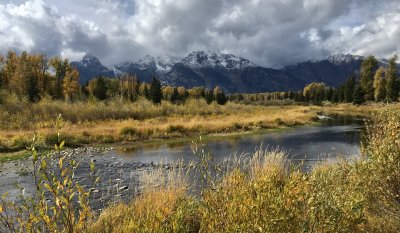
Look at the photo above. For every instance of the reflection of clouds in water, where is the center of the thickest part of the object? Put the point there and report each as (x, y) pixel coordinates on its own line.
(307, 142)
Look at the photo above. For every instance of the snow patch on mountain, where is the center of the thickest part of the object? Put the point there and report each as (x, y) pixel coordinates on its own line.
(339, 59)
(200, 59)
(164, 63)
(161, 64)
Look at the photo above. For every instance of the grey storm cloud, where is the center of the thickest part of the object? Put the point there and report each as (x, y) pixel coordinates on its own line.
(268, 32)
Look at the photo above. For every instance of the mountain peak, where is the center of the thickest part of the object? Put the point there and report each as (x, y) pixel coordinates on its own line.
(146, 60)
(90, 60)
(209, 58)
(338, 59)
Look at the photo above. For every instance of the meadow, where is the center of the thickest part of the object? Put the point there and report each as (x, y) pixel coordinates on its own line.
(116, 121)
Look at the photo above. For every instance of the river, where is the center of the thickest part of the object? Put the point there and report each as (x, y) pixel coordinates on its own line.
(120, 169)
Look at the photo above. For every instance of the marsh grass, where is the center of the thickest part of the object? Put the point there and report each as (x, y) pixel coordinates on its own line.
(266, 193)
(94, 122)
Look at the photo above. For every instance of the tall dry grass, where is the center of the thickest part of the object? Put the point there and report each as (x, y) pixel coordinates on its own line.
(268, 194)
(115, 121)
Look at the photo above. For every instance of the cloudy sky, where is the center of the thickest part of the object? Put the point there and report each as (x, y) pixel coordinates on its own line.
(268, 32)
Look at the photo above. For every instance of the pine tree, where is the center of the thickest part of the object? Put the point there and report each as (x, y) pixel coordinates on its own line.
(219, 96)
(32, 89)
(175, 95)
(328, 94)
(335, 96)
(358, 95)
(209, 96)
(155, 91)
(367, 72)
(349, 88)
(392, 83)
(100, 88)
(341, 93)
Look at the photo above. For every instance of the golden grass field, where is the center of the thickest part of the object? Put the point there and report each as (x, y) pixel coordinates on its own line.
(99, 123)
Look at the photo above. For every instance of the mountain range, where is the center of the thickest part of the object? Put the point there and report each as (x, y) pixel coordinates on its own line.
(230, 72)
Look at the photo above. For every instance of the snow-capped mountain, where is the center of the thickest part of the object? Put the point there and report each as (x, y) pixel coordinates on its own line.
(90, 67)
(165, 63)
(339, 59)
(147, 67)
(199, 59)
(232, 73)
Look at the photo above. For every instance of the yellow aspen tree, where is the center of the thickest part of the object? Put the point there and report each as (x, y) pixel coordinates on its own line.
(379, 84)
(71, 83)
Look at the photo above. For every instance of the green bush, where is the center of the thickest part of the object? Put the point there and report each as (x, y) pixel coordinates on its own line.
(176, 129)
(128, 131)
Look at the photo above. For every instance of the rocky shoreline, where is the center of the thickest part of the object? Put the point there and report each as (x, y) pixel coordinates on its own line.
(119, 178)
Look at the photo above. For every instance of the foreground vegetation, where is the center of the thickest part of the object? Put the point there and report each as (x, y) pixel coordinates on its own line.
(264, 194)
(270, 195)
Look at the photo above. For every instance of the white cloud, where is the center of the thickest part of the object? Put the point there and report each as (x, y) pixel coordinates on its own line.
(269, 32)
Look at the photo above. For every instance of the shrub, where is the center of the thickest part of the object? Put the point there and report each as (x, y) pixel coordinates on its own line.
(128, 131)
(59, 202)
(176, 129)
(279, 122)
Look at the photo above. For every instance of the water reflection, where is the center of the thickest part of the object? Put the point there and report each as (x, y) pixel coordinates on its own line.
(339, 136)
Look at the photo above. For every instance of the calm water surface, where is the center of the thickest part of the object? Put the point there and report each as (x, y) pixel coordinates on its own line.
(339, 137)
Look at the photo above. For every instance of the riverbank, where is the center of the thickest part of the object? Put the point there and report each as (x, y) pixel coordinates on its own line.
(167, 122)
(270, 195)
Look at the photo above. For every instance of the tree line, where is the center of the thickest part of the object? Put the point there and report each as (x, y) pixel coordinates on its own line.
(372, 83)
(34, 76)
(129, 87)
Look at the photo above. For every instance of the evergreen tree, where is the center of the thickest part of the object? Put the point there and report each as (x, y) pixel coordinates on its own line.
(183, 93)
(367, 72)
(328, 94)
(32, 89)
(100, 88)
(335, 96)
(146, 92)
(209, 96)
(358, 95)
(155, 91)
(392, 83)
(175, 95)
(219, 96)
(341, 94)
(349, 88)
